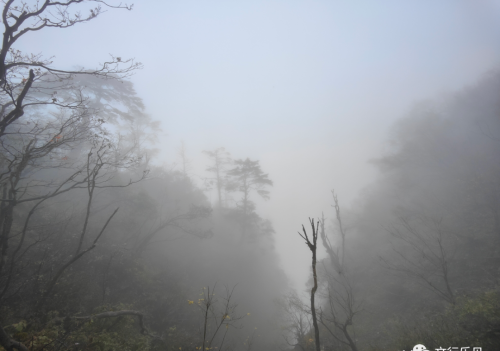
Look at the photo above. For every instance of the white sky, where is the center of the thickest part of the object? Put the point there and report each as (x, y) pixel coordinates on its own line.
(309, 88)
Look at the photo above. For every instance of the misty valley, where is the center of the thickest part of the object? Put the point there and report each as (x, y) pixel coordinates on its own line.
(106, 244)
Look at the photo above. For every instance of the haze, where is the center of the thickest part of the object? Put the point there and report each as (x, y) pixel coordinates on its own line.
(310, 89)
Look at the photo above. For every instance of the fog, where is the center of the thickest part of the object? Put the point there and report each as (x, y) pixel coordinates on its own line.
(392, 104)
(309, 89)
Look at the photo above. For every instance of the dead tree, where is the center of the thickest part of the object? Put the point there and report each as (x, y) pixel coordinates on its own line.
(341, 298)
(337, 259)
(313, 247)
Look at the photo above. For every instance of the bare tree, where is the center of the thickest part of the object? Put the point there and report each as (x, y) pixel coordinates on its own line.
(29, 154)
(20, 72)
(337, 259)
(96, 174)
(21, 158)
(427, 253)
(341, 297)
(297, 320)
(61, 120)
(93, 170)
(62, 130)
(313, 247)
(20, 186)
(218, 317)
(342, 307)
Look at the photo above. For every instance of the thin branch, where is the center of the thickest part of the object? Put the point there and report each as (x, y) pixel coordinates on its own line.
(52, 283)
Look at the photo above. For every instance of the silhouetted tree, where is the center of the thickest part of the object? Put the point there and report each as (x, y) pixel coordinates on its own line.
(246, 177)
(28, 80)
(60, 123)
(313, 247)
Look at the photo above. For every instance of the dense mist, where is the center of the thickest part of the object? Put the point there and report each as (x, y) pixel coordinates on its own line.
(260, 176)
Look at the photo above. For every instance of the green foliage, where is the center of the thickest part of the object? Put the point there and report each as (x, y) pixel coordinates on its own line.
(109, 334)
(473, 321)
